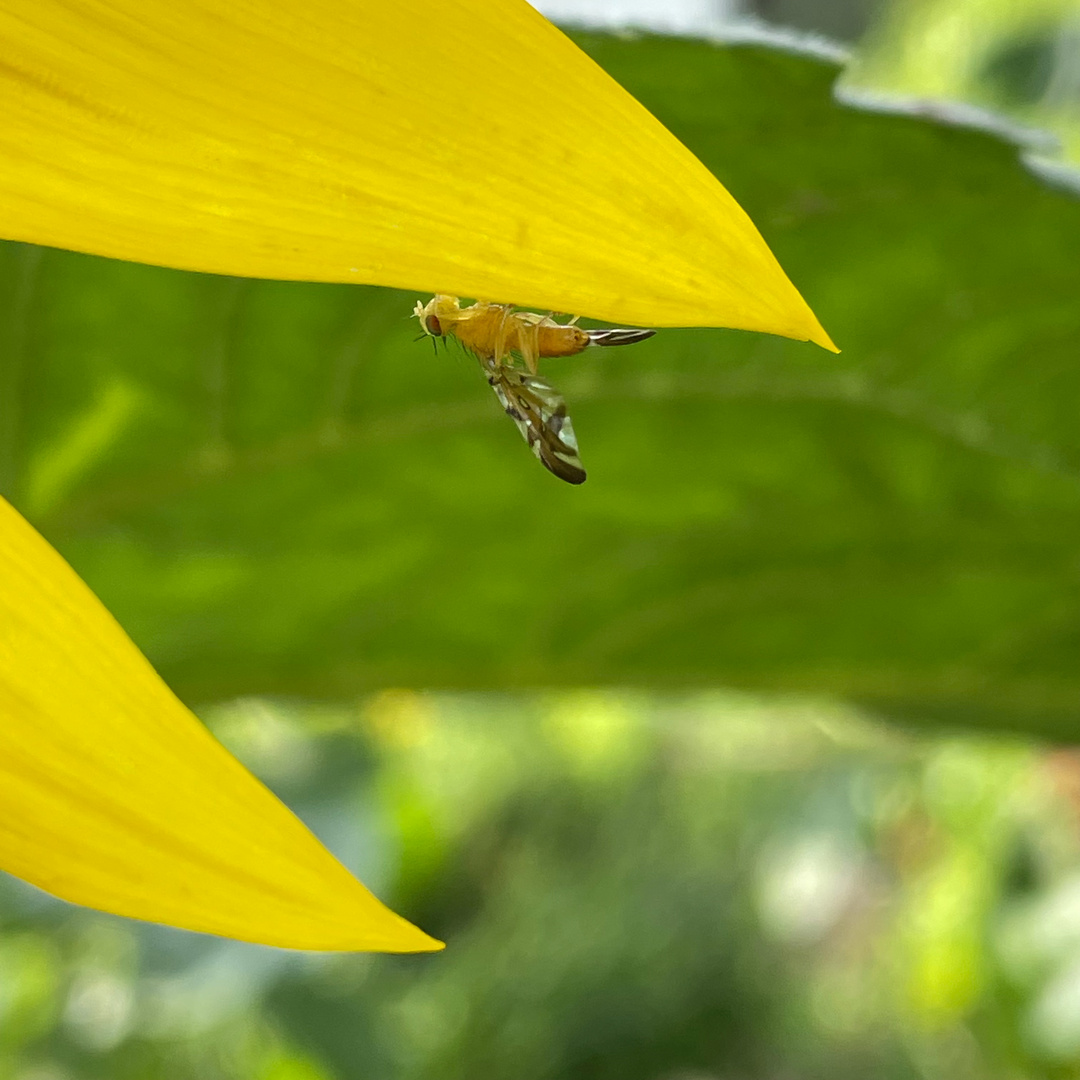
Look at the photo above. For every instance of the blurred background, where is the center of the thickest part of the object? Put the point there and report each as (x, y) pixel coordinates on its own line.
(1019, 59)
(834, 829)
(700, 886)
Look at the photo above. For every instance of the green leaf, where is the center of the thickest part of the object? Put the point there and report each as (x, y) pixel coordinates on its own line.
(276, 489)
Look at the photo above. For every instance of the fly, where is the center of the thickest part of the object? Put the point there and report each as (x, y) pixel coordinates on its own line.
(498, 336)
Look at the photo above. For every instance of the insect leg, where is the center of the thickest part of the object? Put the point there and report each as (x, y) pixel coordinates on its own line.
(501, 334)
(529, 343)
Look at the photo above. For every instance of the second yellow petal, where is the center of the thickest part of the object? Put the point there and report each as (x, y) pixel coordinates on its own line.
(113, 795)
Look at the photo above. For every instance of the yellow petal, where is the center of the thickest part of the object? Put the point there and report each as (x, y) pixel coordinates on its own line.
(112, 794)
(467, 148)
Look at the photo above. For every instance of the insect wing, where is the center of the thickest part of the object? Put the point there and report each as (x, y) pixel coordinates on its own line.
(618, 337)
(539, 411)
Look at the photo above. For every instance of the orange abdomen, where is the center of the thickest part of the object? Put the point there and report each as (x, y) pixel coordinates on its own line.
(529, 339)
(561, 340)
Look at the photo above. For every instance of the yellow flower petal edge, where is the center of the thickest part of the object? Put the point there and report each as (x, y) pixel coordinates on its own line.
(113, 795)
(464, 146)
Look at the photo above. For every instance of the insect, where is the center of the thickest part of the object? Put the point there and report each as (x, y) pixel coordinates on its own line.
(499, 337)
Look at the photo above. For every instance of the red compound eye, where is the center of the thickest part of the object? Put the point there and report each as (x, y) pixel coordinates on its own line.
(434, 327)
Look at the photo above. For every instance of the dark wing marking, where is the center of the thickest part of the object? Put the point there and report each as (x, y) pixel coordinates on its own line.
(539, 411)
(618, 337)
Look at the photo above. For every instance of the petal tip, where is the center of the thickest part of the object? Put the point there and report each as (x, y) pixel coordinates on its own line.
(417, 941)
(820, 337)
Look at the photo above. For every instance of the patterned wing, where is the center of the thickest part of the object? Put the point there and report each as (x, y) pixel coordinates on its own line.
(617, 337)
(539, 411)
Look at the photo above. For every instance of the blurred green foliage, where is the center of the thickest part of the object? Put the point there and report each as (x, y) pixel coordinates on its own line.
(707, 886)
(1022, 56)
(276, 489)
